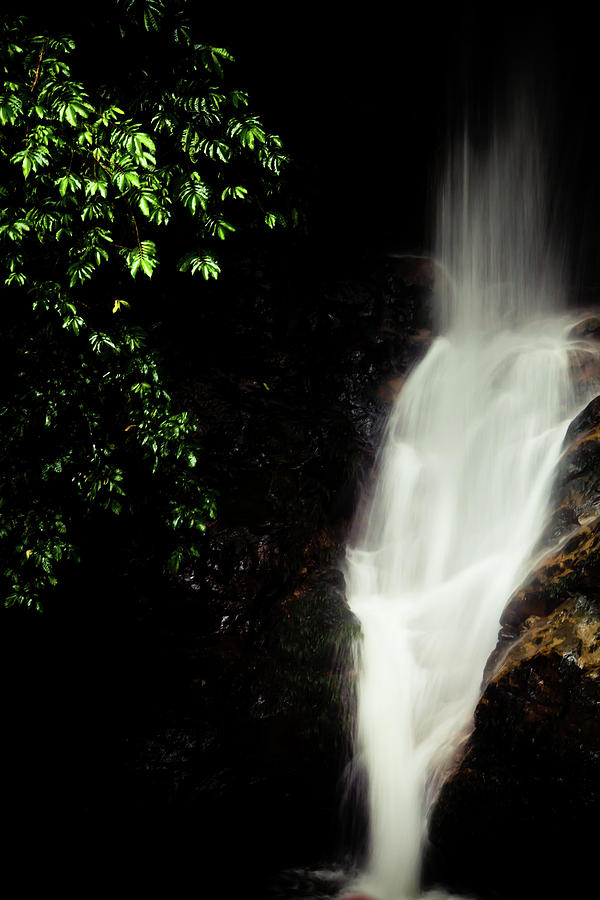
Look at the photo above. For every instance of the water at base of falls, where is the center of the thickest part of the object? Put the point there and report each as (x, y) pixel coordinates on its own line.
(460, 496)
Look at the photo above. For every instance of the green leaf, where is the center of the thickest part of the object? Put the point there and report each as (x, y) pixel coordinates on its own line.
(143, 257)
(80, 272)
(154, 11)
(215, 149)
(235, 193)
(193, 193)
(205, 263)
(218, 227)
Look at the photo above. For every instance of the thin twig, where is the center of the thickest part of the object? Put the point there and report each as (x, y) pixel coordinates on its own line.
(137, 234)
(37, 71)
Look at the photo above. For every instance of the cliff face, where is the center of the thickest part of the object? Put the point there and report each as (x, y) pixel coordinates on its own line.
(517, 816)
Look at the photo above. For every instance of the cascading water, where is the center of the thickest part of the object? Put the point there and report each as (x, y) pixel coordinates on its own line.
(462, 486)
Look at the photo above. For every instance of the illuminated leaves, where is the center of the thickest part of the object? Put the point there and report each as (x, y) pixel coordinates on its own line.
(148, 13)
(217, 226)
(11, 107)
(69, 182)
(142, 258)
(96, 184)
(249, 131)
(204, 263)
(193, 193)
(32, 157)
(215, 149)
(235, 193)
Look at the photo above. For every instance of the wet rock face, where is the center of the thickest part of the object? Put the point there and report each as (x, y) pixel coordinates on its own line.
(574, 567)
(576, 493)
(528, 785)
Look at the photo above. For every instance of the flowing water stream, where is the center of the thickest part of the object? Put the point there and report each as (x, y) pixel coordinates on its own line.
(461, 491)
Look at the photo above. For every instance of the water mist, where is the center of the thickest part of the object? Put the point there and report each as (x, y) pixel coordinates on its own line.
(460, 495)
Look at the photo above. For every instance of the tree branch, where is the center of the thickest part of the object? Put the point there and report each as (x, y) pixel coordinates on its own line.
(37, 71)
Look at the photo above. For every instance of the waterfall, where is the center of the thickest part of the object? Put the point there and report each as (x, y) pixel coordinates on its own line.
(461, 490)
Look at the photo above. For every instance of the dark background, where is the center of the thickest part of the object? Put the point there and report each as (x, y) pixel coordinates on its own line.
(366, 104)
(368, 101)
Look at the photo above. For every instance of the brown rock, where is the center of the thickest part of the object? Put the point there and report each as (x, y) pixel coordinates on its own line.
(575, 566)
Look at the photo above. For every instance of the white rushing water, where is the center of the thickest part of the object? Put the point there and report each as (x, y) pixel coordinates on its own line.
(461, 492)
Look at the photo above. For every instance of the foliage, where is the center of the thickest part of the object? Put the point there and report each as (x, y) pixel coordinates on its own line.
(102, 184)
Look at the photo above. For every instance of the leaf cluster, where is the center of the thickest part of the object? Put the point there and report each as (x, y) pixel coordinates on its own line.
(97, 182)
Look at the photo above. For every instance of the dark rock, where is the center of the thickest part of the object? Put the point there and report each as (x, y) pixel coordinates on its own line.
(528, 785)
(586, 423)
(575, 496)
